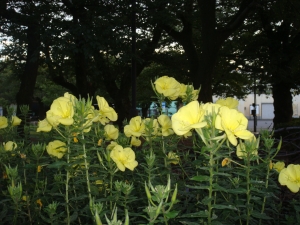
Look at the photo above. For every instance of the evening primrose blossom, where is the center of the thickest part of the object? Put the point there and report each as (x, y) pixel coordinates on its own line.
(56, 148)
(3, 122)
(233, 123)
(166, 125)
(136, 127)
(290, 177)
(10, 146)
(16, 121)
(168, 87)
(124, 158)
(61, 111)
(188, 117)
(135, 141)
(278, 166)
(106, 113)
(231, 103)
(44, 126)
(111, 132)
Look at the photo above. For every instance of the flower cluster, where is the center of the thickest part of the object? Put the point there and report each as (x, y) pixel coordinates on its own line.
(63, 111)
(194, 116)
(170, 88)
(4, 122)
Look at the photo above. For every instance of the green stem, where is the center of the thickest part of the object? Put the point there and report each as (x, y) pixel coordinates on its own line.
(266, 186)
(111, 173)
(16, 214)
(86, 170)
(248, 190)
(26, 194)
(67, 184)
(164, 151)
(210, 190)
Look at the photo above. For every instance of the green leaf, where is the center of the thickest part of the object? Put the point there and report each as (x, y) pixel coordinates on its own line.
(74, 216)
(194, 215)
(188, 223)
(260, 215)
(222, 174)
(217, 206)
(198, 187)
(171, 214)
(200, 178)
(57, 164)
(237, 191)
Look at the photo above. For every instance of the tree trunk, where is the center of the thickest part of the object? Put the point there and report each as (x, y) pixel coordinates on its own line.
(28, 79)
(283, 103)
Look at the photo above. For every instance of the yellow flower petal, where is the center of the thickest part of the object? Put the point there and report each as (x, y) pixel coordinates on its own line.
(111, 132)
(123, 157)
(3, 122)
(229, 102)
(290, 177)
(168, 86)
(188, 117)
(233, 123)
(44, 126)
(56, 148)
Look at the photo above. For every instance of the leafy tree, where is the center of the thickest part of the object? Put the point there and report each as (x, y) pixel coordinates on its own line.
(201, 28)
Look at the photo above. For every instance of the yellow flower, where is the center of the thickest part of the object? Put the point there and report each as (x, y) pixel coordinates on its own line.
(39, 202)
(25, 198)
(182, 92)
(135, 141)
(75, 139)
(106, 113)
(99, 142)
(231, 103)
(233, 123)
(290, 177)
(56, 148)
(16, 121)
(248, 146)
(111, 132)
(10, 145)
(52, 119)
(226, 162)
(39, 168)
(111, 145)
(61, 111)
(71, 97)
(166, 125)
(278, 166)
(44, 126)
(173, 158)
(168, 87)
(3, 122)
(188, 117)
(123, 157)
(135, 127)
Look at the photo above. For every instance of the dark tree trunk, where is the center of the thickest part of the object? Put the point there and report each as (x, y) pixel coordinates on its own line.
(28, 78)
(283, 104)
